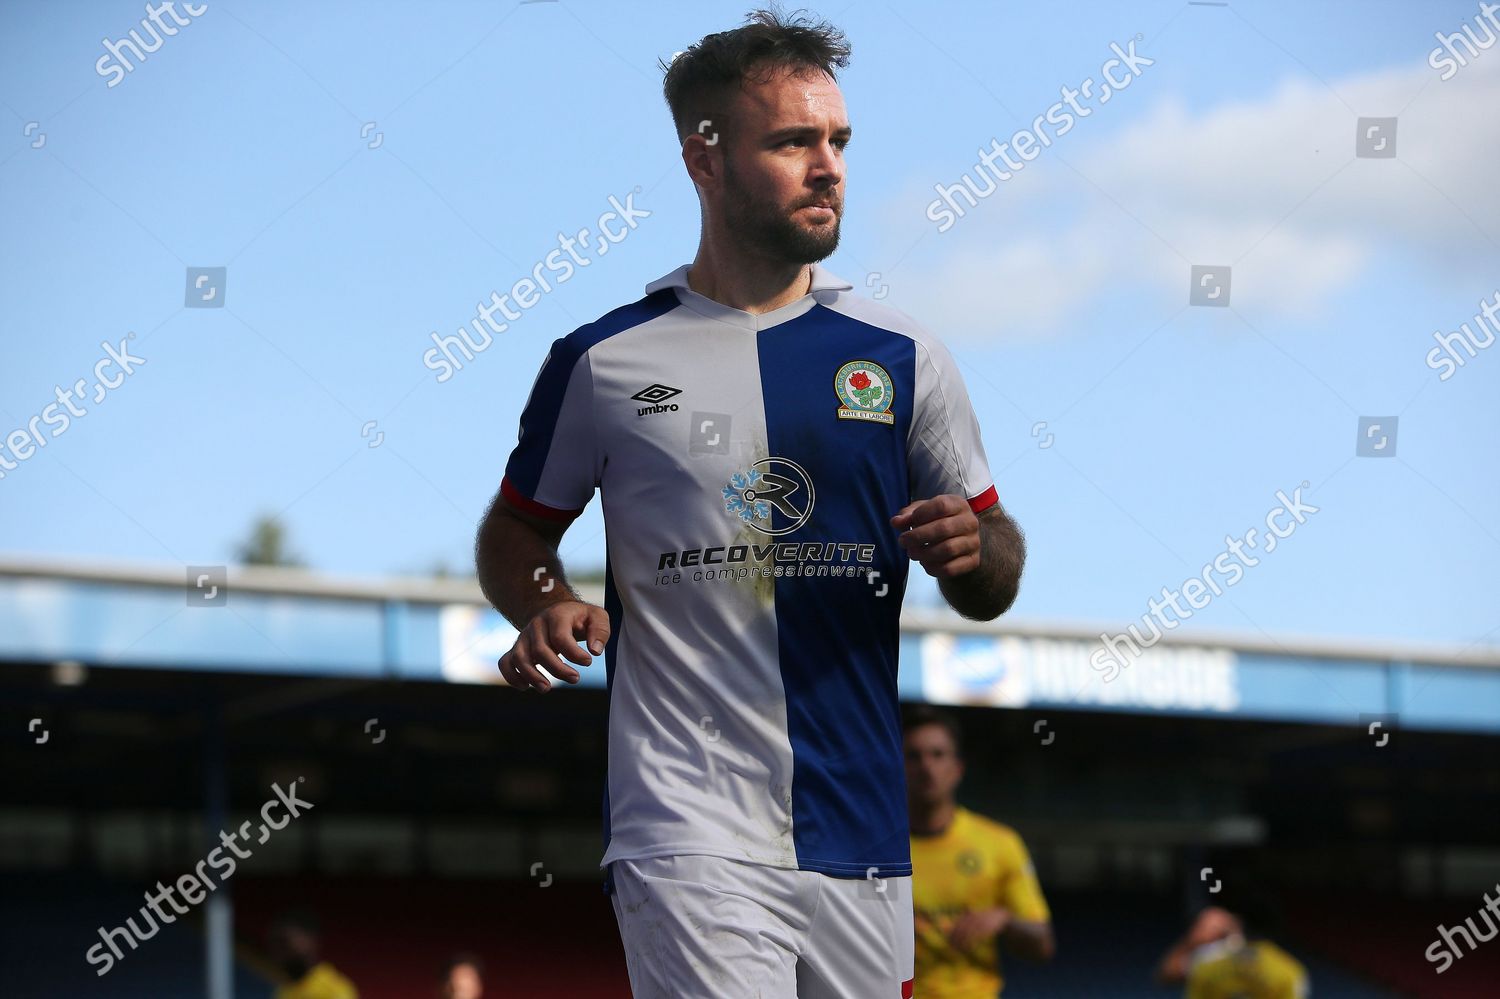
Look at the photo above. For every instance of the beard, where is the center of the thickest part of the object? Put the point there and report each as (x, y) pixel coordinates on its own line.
(774, 232)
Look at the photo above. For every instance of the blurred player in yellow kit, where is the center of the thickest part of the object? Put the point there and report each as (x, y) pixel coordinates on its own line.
(972, 881)
(1252, 969)
(295, 946)
(1226, 955)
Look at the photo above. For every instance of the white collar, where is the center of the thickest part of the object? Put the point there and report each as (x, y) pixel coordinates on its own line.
(823, 280)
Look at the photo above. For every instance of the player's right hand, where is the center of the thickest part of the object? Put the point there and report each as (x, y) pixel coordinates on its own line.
(551, 636)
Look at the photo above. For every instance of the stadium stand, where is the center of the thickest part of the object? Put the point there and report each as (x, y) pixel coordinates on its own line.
(453, 815)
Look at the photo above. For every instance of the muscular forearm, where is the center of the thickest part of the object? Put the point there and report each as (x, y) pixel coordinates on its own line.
(988, 591)
(518, 568)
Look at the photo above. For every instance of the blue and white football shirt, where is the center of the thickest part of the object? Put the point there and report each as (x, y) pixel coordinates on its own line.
(749, 467)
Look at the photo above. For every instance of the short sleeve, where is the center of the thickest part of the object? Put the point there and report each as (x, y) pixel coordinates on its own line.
(944, 451)
(556, 464)
(1021, 892)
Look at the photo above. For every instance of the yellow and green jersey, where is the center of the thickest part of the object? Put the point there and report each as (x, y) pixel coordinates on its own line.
(322, 982)
(1257, 970)
(974, 864)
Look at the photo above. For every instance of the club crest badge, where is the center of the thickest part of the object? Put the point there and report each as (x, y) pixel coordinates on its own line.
(865, 392)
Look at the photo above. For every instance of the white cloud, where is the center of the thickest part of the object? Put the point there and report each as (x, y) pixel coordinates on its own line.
(1268, 184)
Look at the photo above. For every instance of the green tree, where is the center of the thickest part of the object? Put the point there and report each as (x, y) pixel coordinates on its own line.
(267, 544)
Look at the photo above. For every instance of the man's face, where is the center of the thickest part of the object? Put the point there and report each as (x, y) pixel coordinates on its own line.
(933, 768)
(463, 983)
(783, 191)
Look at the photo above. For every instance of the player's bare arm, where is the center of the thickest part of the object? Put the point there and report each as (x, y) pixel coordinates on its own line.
(1028, 938)
(976, 559)
(510, 549)
(1212, 923)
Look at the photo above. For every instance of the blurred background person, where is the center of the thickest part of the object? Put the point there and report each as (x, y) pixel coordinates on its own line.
(1212, 925)
(295, 948)
(973, 885)
(463, 978)
(1228, 954)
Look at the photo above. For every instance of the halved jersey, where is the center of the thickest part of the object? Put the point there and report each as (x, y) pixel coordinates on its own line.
(748, 467)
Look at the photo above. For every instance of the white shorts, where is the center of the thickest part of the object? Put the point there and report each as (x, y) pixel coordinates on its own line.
(711, 928)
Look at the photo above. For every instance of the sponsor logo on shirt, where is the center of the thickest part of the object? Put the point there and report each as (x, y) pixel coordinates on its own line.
(774, 497)
(770, 486)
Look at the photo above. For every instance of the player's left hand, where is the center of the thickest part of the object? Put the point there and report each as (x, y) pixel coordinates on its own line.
(942, 533)
(973, 927)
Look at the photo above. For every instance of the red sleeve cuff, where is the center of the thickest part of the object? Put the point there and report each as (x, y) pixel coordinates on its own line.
(984, 500)
(526, 504)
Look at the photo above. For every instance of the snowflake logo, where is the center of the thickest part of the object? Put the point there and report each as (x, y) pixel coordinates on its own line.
(740, 499)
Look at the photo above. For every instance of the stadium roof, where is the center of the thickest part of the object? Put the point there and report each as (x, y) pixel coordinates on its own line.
(297, 622)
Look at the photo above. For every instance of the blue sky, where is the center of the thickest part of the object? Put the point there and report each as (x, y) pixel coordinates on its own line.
(1064, 295)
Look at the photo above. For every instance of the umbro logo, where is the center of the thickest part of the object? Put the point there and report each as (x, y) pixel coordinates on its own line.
(656, 394)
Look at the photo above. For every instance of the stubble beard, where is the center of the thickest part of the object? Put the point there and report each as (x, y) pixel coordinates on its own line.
(773, 232)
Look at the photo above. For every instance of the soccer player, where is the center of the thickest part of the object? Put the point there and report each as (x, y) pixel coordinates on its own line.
(1244, 963)
(1212, 924)
(463, 978)
(973, 886)
(295, 947)
(772, 453)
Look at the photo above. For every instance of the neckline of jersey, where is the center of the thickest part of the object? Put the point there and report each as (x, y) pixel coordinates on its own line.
(824, 286)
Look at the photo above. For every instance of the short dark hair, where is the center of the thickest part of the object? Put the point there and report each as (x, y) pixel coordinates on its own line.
(917, 715)
(699, 82)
